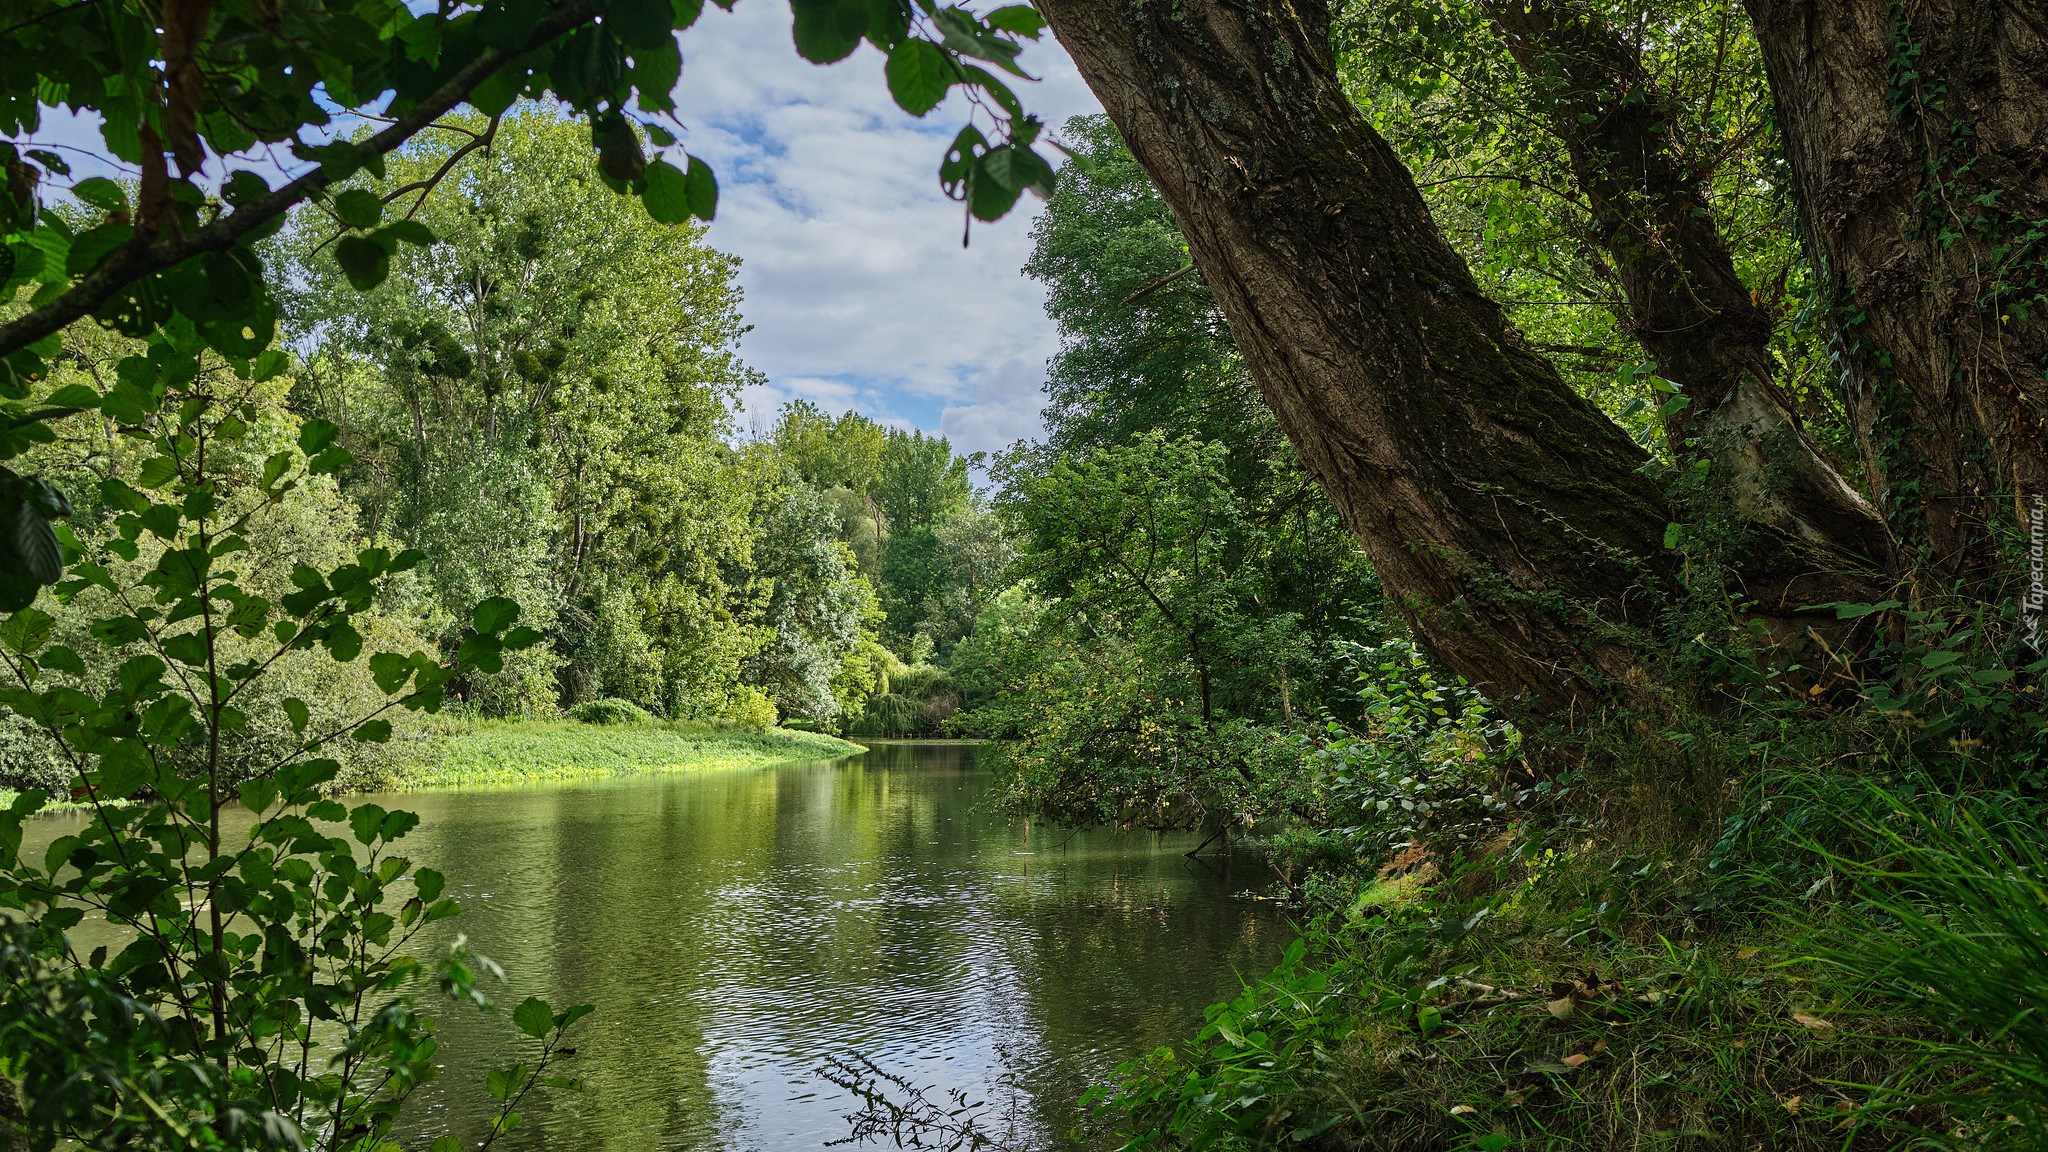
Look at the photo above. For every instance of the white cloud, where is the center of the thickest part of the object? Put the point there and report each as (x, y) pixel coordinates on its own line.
(858, 289)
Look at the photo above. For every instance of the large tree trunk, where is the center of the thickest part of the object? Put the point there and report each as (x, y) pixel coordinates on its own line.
(1504, 513)
(1916, 134)
(1646, 187)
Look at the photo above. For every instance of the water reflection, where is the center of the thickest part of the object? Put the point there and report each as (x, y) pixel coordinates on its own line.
(733, 928)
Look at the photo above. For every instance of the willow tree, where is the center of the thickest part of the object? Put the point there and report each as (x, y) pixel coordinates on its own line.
(1510, 519)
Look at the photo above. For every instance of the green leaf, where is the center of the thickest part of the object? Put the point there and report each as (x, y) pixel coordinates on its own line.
(495, 615)
(522, 637)
(919, 74)
(270, 365)
(446, 1144)
(365, 820)
(1673, 533)
(411, 231)
(362, 260)
(703, 190)
(187, 648)
(64, 659)
(502, 1082)
(156, 472)
(429, 883)
(123, 768)
(373, 731)
(92, 247)
(821, 34)
(1672, 405)
(259, 794)
(27, 631)
(667, 194)
(390, 671)
(1021, 19)
(101, 193)
(988, 196)
(358, 208)
(342, 641)
(641, 23)
(296, 711)
(73, 396)
(534, 1017)
(317, 434)
(329, 461)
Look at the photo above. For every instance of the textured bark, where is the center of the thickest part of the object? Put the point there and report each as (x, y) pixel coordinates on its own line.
(1503, 512)
(1917, 138)
(1647, 186)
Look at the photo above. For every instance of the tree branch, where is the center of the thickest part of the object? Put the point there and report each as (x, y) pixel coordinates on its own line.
(141, 257)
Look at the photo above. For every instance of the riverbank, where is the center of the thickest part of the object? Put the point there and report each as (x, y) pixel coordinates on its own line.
(496, 752)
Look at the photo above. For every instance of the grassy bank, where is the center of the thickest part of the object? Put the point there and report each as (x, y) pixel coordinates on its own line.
(533, 751)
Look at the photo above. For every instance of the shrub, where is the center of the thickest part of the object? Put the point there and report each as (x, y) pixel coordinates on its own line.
(752, 708)
(610, 710)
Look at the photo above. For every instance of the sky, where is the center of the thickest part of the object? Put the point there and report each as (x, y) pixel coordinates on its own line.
(857, 286)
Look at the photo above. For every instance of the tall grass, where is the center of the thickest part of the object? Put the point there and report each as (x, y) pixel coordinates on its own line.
(1956, 899)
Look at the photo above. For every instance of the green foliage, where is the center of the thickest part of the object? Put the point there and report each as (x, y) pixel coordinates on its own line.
(531, 751)
(1429, 767)
(190, 603)
(565, 450)
(1955, 914)
(610, 710)
(819, 608)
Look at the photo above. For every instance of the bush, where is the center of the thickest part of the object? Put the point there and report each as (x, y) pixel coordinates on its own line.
(610, 710)
(752, 708)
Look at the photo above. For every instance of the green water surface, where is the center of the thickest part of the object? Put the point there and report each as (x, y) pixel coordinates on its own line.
(733, 928)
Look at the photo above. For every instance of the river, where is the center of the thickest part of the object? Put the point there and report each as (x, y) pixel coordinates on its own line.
(734, 928)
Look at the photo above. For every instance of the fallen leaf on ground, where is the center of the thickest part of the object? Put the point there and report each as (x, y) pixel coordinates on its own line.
(1577, 1059)
(1463, 1110)
(1599, 1047)
(1562, 1007)
(1746, 953)
(1792, 1105)
(1814, 1022)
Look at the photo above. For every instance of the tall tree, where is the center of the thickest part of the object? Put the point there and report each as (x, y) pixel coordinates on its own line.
(1914, 135)
(1507, 517)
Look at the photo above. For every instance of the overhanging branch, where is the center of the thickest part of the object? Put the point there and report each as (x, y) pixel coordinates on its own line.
(146, 255)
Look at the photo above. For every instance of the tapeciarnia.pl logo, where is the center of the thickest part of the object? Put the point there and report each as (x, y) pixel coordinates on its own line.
(2034, 604)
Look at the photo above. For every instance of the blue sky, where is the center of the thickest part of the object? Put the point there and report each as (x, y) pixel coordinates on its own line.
(859, 292)
(858, 289)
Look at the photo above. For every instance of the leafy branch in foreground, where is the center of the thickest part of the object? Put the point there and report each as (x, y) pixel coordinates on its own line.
(257, 981)
(243, 76)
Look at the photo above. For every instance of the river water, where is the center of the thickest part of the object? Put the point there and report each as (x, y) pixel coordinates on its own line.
(734, 928)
